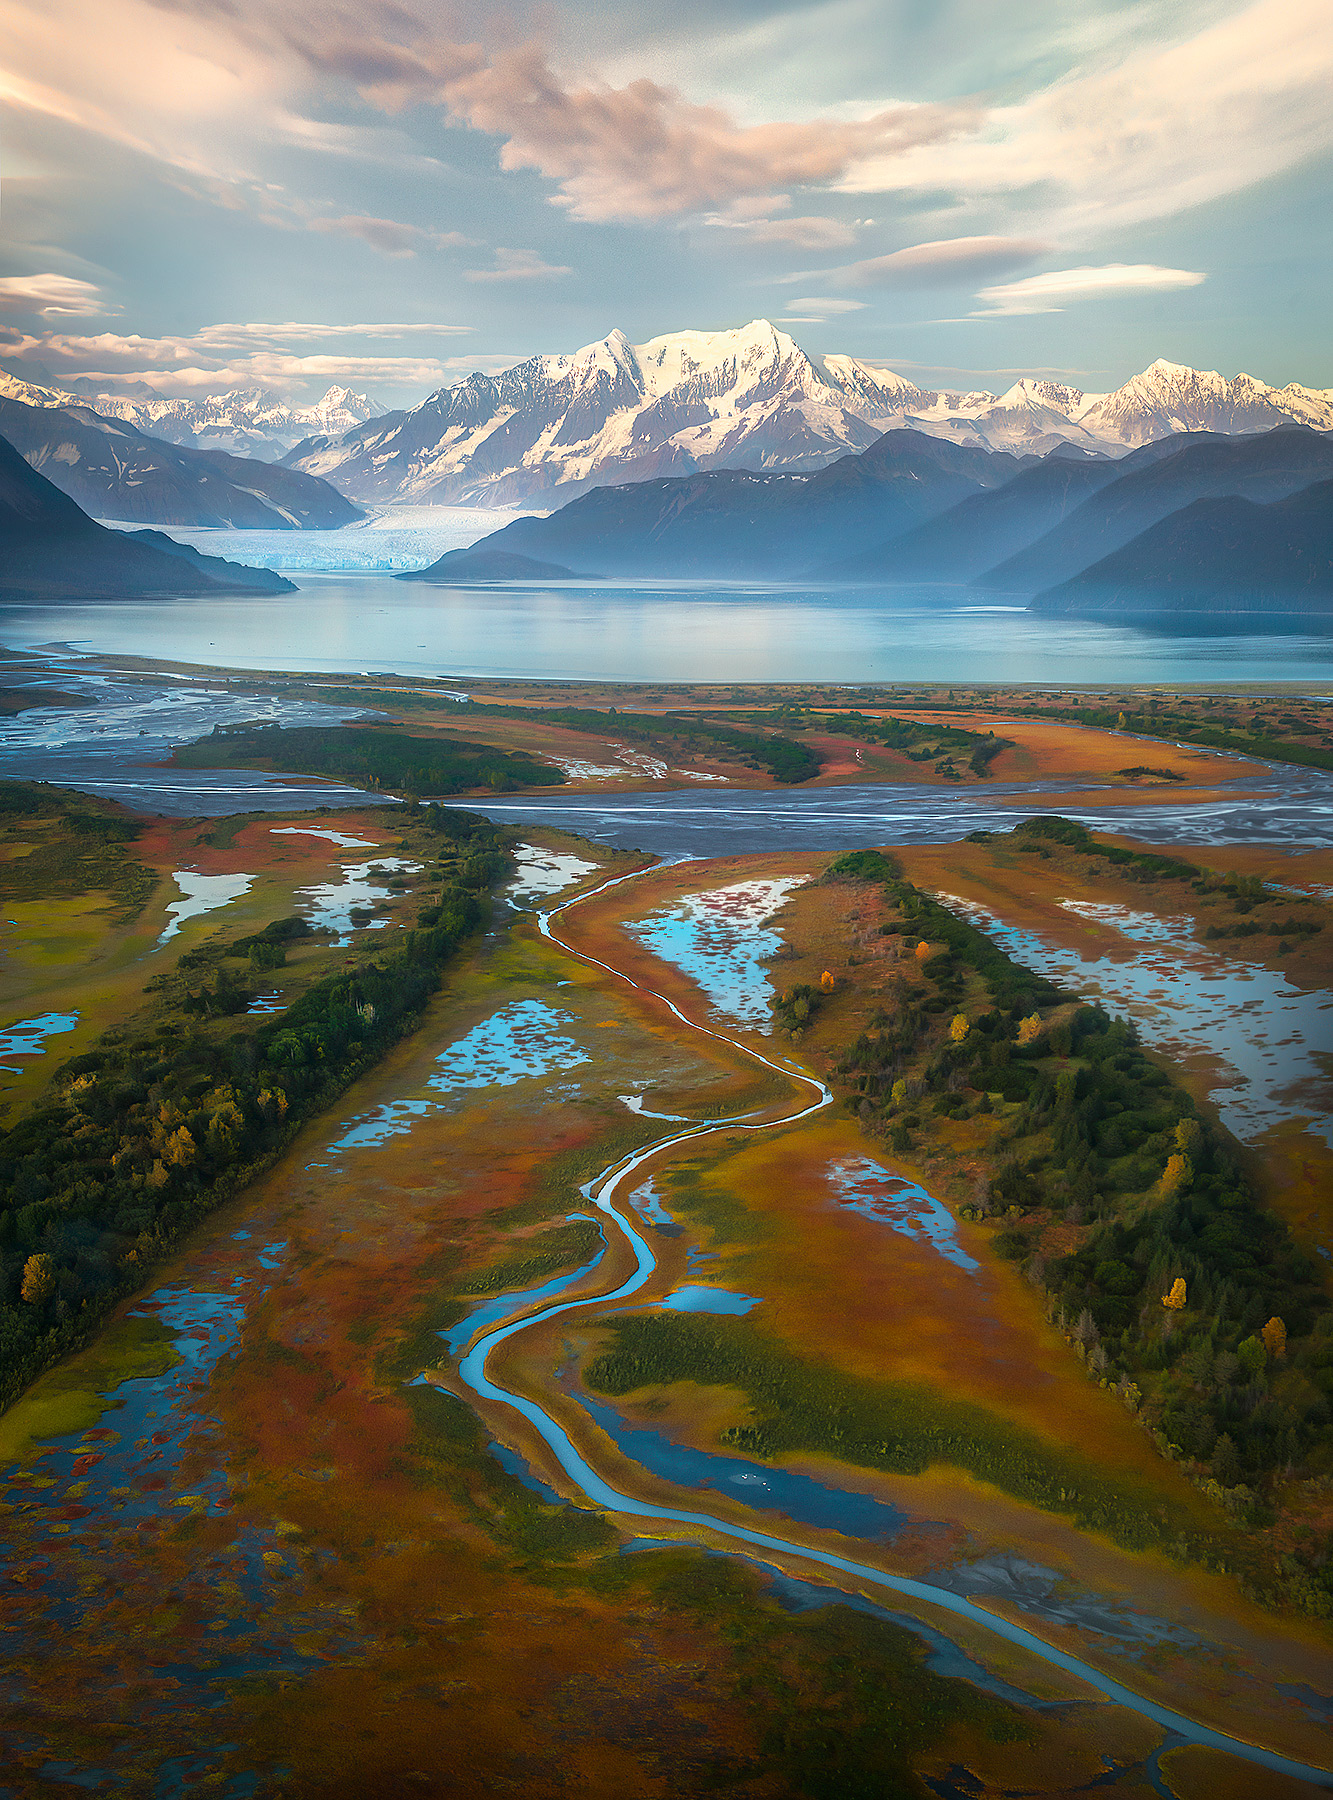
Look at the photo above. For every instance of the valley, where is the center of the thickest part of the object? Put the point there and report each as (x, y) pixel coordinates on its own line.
(278, 1470)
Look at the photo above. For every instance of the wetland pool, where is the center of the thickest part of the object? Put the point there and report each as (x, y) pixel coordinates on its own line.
(718, 938)
(1272, 1039)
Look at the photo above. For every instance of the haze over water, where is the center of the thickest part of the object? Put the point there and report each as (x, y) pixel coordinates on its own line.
(358, 622)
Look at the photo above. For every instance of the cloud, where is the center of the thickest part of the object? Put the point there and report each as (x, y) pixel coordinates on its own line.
(639, 151)
(811, 233)
(53, 295)
(219, 340)
(1052, 291)
(517, 265)
(817, 311)
(643, 151)
(1175, 124)
(224, 356)
(944, 263)
(390, 236)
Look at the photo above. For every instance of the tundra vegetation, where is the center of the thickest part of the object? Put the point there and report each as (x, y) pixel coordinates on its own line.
(379, 757)
(940, 744)
(140, 1136)
(668, 734)
(1124, 1206)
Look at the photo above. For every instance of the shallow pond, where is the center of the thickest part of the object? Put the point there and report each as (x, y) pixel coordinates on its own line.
(866, 1187)
(763, 1486)
(334, 837)
(718, 939)
(544, 872)
(329, 905)
(520, 1042)
(203, 894)
(28, 1037)
(709, 1300)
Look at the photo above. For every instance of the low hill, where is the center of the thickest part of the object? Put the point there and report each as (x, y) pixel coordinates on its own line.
(1216, 557)
(49, 547)
(487, 566)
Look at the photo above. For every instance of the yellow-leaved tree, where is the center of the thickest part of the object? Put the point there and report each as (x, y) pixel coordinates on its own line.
(39, 1279)
(1176, 1298)
(960, 1027)
(1029, 1029)
(828, 981)
(1274, 1336)
(922, 951)
(1189, 1135)
(1177, 1175)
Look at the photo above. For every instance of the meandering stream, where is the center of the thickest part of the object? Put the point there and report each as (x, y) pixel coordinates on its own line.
(602, 1193)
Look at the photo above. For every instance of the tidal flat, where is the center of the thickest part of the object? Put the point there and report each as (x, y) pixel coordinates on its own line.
(267, 1536)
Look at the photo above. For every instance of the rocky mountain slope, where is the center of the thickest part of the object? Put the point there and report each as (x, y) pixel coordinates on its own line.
(116, 471)
(243, 421)
(49, 548)
(1227, 557)
(615, 412)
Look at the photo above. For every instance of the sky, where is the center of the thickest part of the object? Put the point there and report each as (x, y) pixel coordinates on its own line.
(206, 194)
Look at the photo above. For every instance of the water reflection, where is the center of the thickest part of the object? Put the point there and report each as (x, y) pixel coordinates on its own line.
(664, 631)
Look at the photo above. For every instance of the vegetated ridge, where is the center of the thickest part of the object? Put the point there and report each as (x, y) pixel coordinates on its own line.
(1151, 485)
(1218, 557)
(378, 758)
(141, 1136)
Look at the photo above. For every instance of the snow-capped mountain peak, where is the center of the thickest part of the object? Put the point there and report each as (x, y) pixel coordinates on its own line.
(749, 398)
(243, 421)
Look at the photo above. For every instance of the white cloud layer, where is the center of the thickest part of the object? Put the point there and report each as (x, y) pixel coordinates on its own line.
(1053, 291)
(230, 356)
(1177, 123)
(53, 296)
(944, 262)
(391, 236)
(517, 265)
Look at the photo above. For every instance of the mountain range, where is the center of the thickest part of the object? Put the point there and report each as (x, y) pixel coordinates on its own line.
(552, 427)
(732, 524)
(49, 547)
(115, 471)
(916, 508)
(243, 421)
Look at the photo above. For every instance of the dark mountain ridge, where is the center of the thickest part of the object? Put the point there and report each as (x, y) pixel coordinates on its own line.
(979, 531)
(1227, 556)
(732, 523)
(1160, 479)
(115, 471)
(50, 547)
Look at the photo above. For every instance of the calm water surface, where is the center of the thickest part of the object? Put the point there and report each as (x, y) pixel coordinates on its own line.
(657, 632)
